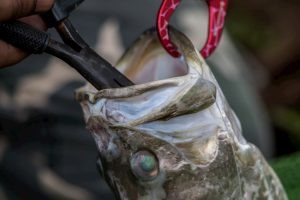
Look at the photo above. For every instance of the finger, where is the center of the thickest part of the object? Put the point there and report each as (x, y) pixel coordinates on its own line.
(9, 55)
(13, 9)
(35, 21)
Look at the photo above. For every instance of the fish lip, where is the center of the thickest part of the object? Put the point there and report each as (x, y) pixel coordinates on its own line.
(191, 94)
(83, 94)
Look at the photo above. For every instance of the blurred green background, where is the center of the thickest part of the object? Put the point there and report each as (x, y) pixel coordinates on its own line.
(270, 30)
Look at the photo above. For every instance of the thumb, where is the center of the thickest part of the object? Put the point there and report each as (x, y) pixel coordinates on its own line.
(13, 9)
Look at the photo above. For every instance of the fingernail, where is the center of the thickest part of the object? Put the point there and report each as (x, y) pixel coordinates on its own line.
(44, 5)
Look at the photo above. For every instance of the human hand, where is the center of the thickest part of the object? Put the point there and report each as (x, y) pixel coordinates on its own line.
(25, 11)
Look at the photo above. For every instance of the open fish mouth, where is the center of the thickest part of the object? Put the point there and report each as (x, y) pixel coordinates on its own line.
(176, 93)
(173, 135)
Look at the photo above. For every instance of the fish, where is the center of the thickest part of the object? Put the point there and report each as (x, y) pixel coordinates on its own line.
(173, 135)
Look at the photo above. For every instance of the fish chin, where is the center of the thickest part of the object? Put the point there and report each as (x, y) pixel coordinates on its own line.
(173, 135)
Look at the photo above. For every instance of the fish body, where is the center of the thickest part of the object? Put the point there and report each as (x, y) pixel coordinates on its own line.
(173, 135)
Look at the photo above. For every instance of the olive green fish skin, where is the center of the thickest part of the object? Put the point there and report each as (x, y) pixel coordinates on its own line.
(176, 138)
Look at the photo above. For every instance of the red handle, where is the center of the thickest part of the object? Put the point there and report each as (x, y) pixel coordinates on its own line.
(217, 14)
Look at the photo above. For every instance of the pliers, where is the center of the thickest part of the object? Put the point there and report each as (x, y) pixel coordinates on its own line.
(74, 51)
(77, 53)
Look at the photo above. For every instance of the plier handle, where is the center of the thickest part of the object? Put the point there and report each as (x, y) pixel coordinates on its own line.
(217, 14)
(73, 50)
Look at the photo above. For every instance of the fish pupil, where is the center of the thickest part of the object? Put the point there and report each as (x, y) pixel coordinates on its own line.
(148, 163)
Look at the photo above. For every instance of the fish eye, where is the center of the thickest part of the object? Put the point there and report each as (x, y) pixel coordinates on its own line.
(144, 165)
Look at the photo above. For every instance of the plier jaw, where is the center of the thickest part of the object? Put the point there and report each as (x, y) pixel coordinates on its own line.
(217, 14)
(77, 53)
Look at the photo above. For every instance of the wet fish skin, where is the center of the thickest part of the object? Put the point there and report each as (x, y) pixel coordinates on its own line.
(187, 126)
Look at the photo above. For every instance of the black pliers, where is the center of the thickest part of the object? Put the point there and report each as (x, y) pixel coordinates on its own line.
(74, 51)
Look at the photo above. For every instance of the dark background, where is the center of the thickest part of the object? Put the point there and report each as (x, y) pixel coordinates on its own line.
(270, 30)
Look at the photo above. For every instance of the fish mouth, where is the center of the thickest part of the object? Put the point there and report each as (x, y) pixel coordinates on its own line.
(155, 74)
(170, 93)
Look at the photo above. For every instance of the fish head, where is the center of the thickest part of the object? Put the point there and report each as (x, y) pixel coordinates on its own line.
(173, 134)
(152, 137)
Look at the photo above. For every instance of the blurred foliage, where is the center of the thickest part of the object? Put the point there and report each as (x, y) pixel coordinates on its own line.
(270, 30)
(288, 171)
(244, 28)
(289, 120)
